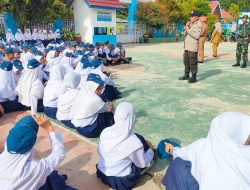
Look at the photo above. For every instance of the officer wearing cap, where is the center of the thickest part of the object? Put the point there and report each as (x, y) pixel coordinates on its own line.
(243, 40)
(193, 30)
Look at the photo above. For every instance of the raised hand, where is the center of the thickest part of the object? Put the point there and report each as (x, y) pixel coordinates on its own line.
(43, 121)
(169, 148)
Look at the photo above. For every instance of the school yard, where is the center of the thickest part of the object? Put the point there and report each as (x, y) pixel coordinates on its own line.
(165, 107)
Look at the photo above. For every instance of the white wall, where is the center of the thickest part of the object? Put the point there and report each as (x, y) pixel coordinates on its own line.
(85, 19)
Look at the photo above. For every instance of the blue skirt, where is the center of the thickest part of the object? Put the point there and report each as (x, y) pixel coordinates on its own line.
(68, 124)
(50, 112)
(11, 106)
(110, 94)
(55, 182)
(179, 177)
(103, 121)
(126, 182)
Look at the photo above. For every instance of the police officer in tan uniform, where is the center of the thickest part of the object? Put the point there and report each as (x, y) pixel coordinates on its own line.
(193, 30)
(203, 38)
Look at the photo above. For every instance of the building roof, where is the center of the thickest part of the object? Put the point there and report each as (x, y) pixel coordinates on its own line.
(213, 5)
(106, 4)
(225, 14)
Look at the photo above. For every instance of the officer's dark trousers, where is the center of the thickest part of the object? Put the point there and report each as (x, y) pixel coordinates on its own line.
(190, 62)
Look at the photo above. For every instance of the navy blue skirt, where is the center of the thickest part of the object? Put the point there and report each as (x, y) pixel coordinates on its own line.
(110, 94)
(68, 123)
(179, 177)
(55, 182)
(50, 112)
(103, 120)
(11, 106)
(126, 182)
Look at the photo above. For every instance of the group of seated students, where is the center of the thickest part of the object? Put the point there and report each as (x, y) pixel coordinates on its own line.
(78, 91)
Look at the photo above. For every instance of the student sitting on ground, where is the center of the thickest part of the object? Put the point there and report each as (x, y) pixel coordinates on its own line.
(89, 113)
(220, 161)
(66, 98)
(122, 54)
(52, 90)
(18, 170)
(124, 155)
(30, 87)
(8, 97)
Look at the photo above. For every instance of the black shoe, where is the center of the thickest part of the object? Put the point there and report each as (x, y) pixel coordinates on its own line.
(184, 77)
(65, 177)
(200, 61)
(244, 65)
(192, 79)
(236, 65)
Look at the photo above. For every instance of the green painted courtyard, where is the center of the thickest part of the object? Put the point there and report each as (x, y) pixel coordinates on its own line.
(165, 107)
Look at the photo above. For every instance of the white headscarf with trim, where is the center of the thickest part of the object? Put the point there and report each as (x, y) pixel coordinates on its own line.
(118, 141)
(30, 84)
(222, 161)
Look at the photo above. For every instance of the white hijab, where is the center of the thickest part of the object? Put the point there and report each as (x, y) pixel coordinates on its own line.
(86, 103)
(68, 63)
(222, 161)
(7, 85)
(65, 100)
(54, 86)
(19, 35)
(30, 84)
(10, 36)
(35, 34)
(27, 34)
(99, 71)
(118, 141)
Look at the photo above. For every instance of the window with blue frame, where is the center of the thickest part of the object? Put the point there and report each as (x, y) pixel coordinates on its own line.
(103, 31)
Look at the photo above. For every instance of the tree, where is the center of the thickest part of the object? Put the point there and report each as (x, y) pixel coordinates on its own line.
(158, 13)
(25, 11)
(234, 10)
(243, 4)
(187, 6)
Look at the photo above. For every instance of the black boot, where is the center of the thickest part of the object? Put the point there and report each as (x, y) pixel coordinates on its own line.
(244, 65)
(236, 64)
(184, 77)
(192, 79)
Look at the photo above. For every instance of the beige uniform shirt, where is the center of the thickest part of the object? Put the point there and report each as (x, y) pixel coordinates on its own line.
(191, 41)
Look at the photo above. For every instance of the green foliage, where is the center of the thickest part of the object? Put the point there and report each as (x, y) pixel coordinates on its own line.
(124, 13)
(243, 4)
(211, 20)
(25, 11)
(187, 6)
(68, 35)
(158, 13)
(234, 10)
(202, 6)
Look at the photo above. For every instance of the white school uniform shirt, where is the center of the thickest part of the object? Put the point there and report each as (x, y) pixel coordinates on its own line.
(35, 35)
(7, 86)
(10, 36)
(119, 147)
(107, 51)
(54, 86)
(65, 100)
(87, 105)
(221, 161)
(30, 88)
(27, 35)
(99, 71)
(19, 36)
(20, 171)
(68, 63)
